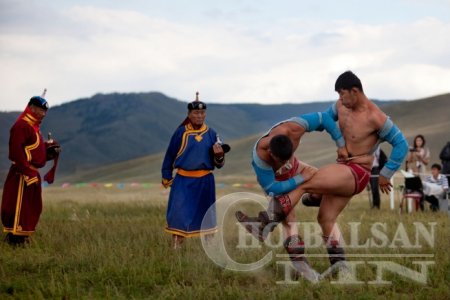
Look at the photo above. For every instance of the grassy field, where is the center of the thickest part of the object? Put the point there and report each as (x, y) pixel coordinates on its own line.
(97, 243)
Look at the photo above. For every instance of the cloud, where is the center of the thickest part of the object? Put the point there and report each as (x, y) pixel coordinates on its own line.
(87, 49)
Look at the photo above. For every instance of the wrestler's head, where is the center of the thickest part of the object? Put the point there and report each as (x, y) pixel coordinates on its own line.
(347, 81)
(348, 86)
(281, 148)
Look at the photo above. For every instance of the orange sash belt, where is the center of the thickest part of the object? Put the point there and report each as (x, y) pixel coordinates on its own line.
(193, 173)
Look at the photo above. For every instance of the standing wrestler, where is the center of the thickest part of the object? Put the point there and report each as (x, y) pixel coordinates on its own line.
(364, 126)
(278, 172)
(22, 195)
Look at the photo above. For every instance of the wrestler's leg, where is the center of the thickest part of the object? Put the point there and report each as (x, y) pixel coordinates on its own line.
(335, 179)
(295, 247)
(293, 242)
(283, 204)
(307, 171)
(329, 210)
(290, 225)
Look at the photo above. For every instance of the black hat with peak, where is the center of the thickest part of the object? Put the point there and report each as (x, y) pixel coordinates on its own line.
(39, 101)
(196, 104)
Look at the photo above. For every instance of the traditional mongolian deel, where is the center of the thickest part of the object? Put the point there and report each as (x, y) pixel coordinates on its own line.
(193, 189)
(22, 199)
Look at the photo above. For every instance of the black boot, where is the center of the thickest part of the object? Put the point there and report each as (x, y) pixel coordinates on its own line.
(337, 260)
(335, 251)
(295, 247)
(266, 221)
(259, 226)
(16, 240)
(311, 200)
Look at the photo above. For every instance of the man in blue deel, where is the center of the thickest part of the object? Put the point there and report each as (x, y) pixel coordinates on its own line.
(194, 151)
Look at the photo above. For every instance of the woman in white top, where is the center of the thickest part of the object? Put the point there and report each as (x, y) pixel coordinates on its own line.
(418, 156)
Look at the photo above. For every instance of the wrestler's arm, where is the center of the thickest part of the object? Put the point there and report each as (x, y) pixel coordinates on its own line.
(332, 112)
(266, 178)
(391, 133)
(319, 121)
(325, 120)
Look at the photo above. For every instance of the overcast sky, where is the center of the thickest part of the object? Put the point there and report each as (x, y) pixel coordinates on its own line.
(231, 51)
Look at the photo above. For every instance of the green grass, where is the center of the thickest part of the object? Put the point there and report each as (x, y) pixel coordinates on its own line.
(97, 243)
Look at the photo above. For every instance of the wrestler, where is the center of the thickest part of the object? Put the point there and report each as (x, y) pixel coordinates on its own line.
(278, 172)
(364, 126)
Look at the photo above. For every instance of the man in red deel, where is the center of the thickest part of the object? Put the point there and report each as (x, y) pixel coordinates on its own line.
(21, 204)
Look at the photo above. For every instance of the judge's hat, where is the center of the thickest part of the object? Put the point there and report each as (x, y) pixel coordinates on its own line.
(39, 101)
(196, 104)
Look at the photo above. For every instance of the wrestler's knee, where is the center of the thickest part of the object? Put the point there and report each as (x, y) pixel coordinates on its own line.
(324, 219)
(308, 172)
(314, 169)
(320, 218)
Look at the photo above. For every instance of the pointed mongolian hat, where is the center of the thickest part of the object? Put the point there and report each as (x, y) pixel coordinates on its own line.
(196, 104)
(39, 101)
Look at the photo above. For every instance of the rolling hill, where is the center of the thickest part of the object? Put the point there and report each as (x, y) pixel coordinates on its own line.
(110, 128)
(429, 116)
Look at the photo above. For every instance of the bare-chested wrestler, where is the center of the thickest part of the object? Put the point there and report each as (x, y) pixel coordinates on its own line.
(364, 126)
(279, 172)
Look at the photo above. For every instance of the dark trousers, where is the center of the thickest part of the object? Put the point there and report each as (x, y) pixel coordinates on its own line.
(434, 202)
(374, 187)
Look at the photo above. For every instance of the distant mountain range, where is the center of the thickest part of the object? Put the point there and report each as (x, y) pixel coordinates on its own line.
(111, 128)
(429, 117)
(108, 128)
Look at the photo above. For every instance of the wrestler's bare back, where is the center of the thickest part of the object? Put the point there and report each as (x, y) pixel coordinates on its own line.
(291, 129)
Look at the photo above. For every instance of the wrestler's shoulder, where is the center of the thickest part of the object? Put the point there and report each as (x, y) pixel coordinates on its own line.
(377, 116)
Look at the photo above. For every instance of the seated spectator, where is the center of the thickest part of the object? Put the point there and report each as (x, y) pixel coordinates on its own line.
(435, 187)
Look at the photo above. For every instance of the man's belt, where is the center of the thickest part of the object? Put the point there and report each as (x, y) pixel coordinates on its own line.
(30, 166)
(193, 173)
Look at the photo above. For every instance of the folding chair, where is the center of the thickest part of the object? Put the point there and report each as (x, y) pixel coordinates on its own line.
(413, 191)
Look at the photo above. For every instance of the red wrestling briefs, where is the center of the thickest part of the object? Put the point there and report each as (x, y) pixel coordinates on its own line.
(284, 173)
(289, 170)
(361, 175)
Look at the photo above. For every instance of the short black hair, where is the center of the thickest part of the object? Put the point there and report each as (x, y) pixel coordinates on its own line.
(281, 147)
(437, 166)
(346, 81)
